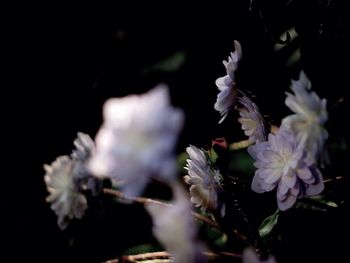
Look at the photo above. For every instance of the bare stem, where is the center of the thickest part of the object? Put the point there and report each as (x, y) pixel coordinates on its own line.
(240, 145)
(143, 200)
(140, 200)
(166, 257)
(147, 256)
(334, 179)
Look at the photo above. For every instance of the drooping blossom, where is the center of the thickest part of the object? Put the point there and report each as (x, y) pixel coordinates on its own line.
(227, 84)
(309, 118)
(251, 120)
(205, 181)
(250, 256)
(281, 163)
(137, 140)
(174, 227)
(85, 148)
(65, 198)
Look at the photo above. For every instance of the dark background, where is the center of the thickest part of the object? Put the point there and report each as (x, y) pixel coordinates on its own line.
(63, 62)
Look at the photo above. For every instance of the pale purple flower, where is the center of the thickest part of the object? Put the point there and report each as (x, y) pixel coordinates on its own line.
(175, 228)
(281, 163)
(251, 120)
(65, 198)
(205, 181)
(250, 256)
(227, 84)
(309, 118)
(137, 140)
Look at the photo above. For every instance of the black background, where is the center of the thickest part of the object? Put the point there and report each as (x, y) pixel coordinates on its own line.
(63, 62)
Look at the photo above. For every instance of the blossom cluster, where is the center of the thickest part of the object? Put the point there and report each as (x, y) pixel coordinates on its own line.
(136, 144)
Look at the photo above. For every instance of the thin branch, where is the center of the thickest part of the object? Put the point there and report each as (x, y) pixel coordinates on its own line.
(213, 255)
(143, 200)
(140, 200)
(240, 145)
(333, 179)
(147, 256)
(166, 257)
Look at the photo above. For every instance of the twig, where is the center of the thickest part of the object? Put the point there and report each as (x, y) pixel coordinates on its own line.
(140, 200)
(333, 179)
(240, 145)
(143, 200)
(166, 257)
(147, 256)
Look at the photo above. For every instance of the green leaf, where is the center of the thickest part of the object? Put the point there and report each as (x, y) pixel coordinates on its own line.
(242, 162)
(212, 155)
(316, 203)
(268, 224)
(143, 248)
(170, 64)
(181, 161)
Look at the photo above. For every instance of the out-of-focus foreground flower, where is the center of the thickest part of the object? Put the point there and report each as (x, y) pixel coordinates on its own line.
(251, 120)
(137, 140)
(227, 84)
(64, 197)
(281, 162)
(250, 256)
(205, 181)
(175, 228)
(309, 118)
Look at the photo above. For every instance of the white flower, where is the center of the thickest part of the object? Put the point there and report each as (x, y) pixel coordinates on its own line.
(137, 140)
(309, 118)
(204, 180)
(227, 85)
(175, 228)
(85, 147)
(280, 162)
(83, 178)
(65, 199)
(250, 256)
(251, 120)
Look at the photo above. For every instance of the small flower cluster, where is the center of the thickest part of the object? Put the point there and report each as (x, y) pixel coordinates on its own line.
(136, 144)
(67, 177)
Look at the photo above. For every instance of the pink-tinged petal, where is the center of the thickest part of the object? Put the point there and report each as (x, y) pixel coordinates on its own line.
(223, 82)
(286, 203)
(282, 189)
(305, 175)
(250, 256)
(271, 176)
(296, 191)
(268, 187)
(254, 150)
(257, 185)
(317, 187)
(289, 179)
(272, 156)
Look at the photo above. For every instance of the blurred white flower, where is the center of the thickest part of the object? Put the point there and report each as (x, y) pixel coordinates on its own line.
(250, 256)
(251, 120)
(65, 199)
(227, 84)
(280, 162)
(85, 147)
(204, 180)
(309, 118)
(175, 228)
(137, 140)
